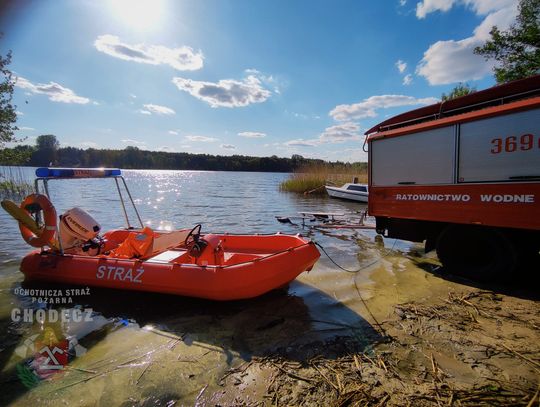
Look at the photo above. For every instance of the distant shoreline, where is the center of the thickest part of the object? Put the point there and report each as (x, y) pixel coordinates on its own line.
(133, 158)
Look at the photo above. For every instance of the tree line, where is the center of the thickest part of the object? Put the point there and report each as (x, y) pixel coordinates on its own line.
(47, 152)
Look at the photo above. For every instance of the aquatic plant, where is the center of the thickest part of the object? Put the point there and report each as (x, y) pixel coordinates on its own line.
(13, 184)
(311, 178)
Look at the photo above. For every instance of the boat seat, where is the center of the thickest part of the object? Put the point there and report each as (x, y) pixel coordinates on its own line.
(133, 247)
(164, 241)
(167, 256)
(167, 240)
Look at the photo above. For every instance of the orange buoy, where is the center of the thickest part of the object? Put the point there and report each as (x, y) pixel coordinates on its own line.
(46, 235)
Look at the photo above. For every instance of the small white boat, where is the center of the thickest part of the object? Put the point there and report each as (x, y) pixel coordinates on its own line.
(350, 191)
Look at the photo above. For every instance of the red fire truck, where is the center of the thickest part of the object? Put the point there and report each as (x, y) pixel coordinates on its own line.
(464, 176)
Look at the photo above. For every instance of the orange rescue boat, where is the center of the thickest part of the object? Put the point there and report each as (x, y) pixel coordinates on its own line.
(183, 262)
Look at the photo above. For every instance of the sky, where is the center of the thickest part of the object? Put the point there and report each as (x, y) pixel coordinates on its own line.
(247, 77)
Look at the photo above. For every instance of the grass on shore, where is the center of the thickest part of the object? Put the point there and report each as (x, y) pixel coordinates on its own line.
(312, 178)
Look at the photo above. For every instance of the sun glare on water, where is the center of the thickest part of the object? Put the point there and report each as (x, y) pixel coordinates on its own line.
(138, 14)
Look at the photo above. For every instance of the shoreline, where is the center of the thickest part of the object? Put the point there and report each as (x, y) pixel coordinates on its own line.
(444, 343)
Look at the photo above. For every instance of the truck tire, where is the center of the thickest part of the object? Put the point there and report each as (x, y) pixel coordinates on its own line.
(476, 252)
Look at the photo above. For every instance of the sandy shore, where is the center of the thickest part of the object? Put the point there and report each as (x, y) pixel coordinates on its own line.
(441, 343)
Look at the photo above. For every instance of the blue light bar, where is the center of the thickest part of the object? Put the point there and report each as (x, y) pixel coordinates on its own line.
(45, 172)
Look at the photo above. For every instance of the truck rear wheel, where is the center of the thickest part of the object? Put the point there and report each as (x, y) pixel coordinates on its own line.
(476, 252)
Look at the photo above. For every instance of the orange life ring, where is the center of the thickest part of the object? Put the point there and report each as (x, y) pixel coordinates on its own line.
(45, 237)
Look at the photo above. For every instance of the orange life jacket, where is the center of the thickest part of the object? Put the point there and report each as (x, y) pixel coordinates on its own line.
(136, 245)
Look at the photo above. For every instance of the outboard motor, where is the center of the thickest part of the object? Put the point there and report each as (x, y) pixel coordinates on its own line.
(79, 233)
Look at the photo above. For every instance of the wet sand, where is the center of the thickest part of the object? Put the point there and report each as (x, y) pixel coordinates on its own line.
(398, 333)
(442, 342)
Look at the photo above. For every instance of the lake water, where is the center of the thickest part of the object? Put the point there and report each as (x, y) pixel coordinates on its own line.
(318, 306)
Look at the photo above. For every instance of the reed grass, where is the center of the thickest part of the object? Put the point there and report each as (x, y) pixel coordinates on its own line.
(311, 178)
(13, 184)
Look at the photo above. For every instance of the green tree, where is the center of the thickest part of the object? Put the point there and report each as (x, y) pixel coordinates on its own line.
(47, 142)
(8, 115)
(19, 155)
(46, 150)
(462, 89)
(516, 50)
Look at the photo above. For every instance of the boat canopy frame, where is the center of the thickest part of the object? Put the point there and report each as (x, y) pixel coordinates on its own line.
(44, 175)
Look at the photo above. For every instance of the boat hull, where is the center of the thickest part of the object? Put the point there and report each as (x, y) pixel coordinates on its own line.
(349, 195)
(278, 260)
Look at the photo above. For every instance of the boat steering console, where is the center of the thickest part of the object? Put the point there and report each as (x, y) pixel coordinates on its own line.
(193, 242)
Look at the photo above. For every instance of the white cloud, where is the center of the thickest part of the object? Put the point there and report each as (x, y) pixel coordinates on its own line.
(135, 142)
(252, 71)
(407, 79)
(302, 143)
(339, 133)
(182, 58)
(303, 116)
(402, 2)
(252, 134)
(368, 107)
(502, 18)
(89, 144)
(226, 92)
(481, 7)
(401, 66)
(269, 80)
(54, 91)
(157, 109)
(26, 128)
(166, 149)
(19, 113)
(429, 6)
(451, 61)
(174, 133)
(203, 139)
(228, 147)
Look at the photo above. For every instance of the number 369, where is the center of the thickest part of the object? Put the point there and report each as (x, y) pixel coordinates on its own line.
(513, 143)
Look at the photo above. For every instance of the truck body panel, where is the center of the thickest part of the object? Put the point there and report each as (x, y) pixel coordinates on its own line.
(502, 148)
(396, 160)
